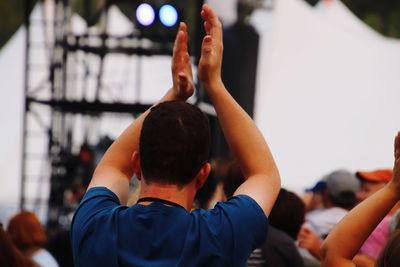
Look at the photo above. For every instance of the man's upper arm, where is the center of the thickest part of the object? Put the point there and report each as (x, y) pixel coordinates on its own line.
(113, 179)
(93, 228)
(263, 189)
(95, 202)
(239, 225)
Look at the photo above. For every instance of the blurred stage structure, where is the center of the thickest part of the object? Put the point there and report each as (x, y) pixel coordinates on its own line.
(325, 76)
(91, 73)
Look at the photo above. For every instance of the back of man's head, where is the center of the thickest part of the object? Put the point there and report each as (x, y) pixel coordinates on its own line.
(174, 143)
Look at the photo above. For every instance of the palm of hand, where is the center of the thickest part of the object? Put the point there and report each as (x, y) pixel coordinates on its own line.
(209, 68)
(182, 76)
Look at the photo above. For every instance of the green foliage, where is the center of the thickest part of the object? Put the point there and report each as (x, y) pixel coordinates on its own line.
(11, 13)
(382, 15)
(12, 17)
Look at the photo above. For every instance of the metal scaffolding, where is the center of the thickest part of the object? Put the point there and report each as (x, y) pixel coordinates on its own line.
(67, 98)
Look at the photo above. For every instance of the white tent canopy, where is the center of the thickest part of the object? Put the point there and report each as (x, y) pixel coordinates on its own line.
(11, 99)
(327, 97)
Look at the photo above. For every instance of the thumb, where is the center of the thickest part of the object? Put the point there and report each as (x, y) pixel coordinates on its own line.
(206, 47)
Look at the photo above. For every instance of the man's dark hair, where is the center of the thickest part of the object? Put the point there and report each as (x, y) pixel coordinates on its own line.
(288, 213)
(174, 143)
(390, 254)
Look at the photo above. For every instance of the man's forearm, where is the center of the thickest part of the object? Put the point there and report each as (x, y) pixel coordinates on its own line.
(370, 212)
(244, 138)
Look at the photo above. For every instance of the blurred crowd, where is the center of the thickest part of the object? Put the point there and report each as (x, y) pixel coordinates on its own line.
(298, 224)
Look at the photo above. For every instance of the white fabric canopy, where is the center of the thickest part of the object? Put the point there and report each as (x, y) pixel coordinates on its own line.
(327, 96)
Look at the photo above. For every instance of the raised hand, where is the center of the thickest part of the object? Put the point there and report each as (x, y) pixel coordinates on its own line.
(209, 69)
(310, 241)
(181, 68)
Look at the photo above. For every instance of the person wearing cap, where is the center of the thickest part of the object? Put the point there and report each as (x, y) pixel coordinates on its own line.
(344, 242)
(372, 182)
(313, 197)
(339, 196)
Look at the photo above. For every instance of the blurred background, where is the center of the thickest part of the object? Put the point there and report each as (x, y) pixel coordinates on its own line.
(320, 78)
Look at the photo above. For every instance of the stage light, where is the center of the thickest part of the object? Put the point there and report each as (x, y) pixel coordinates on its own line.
(168, 15)
(145, 14)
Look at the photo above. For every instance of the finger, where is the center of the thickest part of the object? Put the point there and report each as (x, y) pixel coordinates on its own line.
(206, 46)
(208, 14)
(215, 26)
(182, 26)
(207, 27)
(180, 44)
(177, 45)
(177, 35)
(303, 235)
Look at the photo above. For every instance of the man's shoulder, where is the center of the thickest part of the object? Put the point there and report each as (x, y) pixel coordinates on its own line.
(237, 206)
(241, 201)
(241, 213)
(233, 227)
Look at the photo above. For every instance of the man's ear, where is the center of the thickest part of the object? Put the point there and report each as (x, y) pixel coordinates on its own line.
(202, 175)
(136, 165)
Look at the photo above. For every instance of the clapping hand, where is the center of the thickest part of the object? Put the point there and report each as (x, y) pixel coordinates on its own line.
(209, 69)
(181, 68)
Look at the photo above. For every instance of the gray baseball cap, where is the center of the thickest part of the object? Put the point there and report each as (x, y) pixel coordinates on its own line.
(341, 181)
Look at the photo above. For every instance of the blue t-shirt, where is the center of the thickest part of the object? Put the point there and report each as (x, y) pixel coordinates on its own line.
(104, 233)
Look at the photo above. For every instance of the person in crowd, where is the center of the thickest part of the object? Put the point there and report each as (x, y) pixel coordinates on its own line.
(339, 196)
(10, 255)
(371, 182)
(212, 191)
(206, 193)
(394, 223)
(390, 254)
(313, 197)
(29, 236)
(345, 240)
(286, 218)
(167, 148)
(59, 246)
(288, 213)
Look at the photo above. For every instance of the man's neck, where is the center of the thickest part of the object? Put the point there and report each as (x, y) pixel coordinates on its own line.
(183, 197)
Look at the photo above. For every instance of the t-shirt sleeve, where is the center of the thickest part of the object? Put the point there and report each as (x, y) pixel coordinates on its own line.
(96, 201)
(240, 225)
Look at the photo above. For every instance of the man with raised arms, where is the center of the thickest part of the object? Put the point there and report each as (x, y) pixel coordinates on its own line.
(167, 148)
